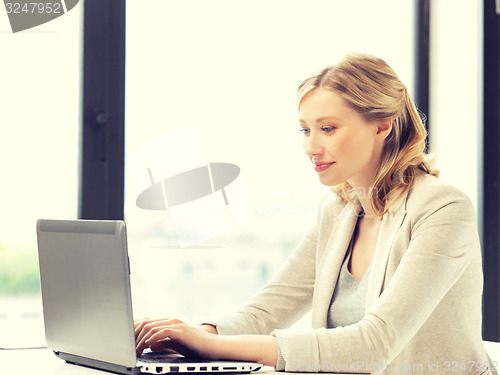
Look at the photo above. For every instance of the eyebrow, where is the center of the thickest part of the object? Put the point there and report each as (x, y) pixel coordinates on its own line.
(319, 119)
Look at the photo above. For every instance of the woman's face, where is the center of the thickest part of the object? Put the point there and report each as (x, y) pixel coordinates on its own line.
(340, 143)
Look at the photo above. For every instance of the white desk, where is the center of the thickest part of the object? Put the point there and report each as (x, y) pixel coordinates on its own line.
(44, 362)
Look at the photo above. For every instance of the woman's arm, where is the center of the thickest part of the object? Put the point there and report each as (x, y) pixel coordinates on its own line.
(173, 334)
(256, 348)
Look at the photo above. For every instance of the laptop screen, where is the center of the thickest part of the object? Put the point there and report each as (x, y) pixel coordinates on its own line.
(84, 272)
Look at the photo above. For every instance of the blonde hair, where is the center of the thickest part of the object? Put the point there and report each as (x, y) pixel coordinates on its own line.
(370, 86)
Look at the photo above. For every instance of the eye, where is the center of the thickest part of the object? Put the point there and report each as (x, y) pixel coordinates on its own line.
(305, 131)
(328, 129)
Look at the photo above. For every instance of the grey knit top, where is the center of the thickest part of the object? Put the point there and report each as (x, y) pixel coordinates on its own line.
(348, 300)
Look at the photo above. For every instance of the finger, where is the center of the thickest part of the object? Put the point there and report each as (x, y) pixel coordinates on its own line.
(139, 324)
(172, 346)
(140, 341)
(139, 321)
(162, 346)
(138, 327)
(153, 323)
(161, 333)
(167, 338)
(144, 327)
(140, 333)
(155, 329)
(147, 327)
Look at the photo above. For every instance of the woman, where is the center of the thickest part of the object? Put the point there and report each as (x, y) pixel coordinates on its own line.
(392, 268)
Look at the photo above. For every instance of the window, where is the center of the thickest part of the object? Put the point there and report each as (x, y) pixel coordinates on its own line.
(39, 148)
(454, 131)
(230, 71)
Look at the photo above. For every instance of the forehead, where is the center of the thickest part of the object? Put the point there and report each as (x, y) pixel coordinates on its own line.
(322, 102)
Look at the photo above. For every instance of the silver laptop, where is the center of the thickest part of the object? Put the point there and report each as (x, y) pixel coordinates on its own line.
(87, 305)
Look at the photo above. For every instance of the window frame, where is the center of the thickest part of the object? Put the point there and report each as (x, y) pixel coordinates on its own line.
(101, 194)
(489, 205)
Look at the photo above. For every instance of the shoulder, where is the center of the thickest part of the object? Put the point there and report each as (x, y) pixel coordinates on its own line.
(429, 194)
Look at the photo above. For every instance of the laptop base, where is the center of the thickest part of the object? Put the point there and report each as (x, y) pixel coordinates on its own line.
(99, 365)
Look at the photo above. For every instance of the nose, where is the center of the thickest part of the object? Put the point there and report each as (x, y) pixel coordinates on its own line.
(312, 145)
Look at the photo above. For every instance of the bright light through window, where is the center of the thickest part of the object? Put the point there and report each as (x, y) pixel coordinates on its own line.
(40, 96)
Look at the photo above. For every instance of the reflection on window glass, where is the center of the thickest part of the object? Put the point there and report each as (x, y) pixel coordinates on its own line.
(40, 80)
(230, 70)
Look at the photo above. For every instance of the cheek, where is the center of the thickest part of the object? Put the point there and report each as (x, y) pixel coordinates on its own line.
(347, 145)
(354, 148)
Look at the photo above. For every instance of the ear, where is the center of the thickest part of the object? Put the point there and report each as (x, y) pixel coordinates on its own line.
(384, 128)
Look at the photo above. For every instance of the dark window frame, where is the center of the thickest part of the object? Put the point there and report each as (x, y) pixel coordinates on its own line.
(422, 60)
(101, 194)
(489, 205)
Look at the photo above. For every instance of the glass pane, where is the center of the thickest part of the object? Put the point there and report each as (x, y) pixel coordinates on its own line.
(215, 82)
(451, 131)
(39, 147)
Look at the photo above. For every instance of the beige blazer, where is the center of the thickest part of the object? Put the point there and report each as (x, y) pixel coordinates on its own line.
(423, 304)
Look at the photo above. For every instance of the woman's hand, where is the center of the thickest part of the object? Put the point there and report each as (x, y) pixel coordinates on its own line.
(174, 335)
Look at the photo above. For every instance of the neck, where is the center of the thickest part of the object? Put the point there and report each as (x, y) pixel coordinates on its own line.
(367, 207)
(363, 193)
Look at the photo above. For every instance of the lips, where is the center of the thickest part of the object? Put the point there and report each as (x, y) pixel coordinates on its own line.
(320, 167)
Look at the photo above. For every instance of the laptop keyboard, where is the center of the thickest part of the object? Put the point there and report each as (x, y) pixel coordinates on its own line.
(159, 357)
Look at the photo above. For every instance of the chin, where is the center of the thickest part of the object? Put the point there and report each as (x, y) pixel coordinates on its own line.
(330, 182)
